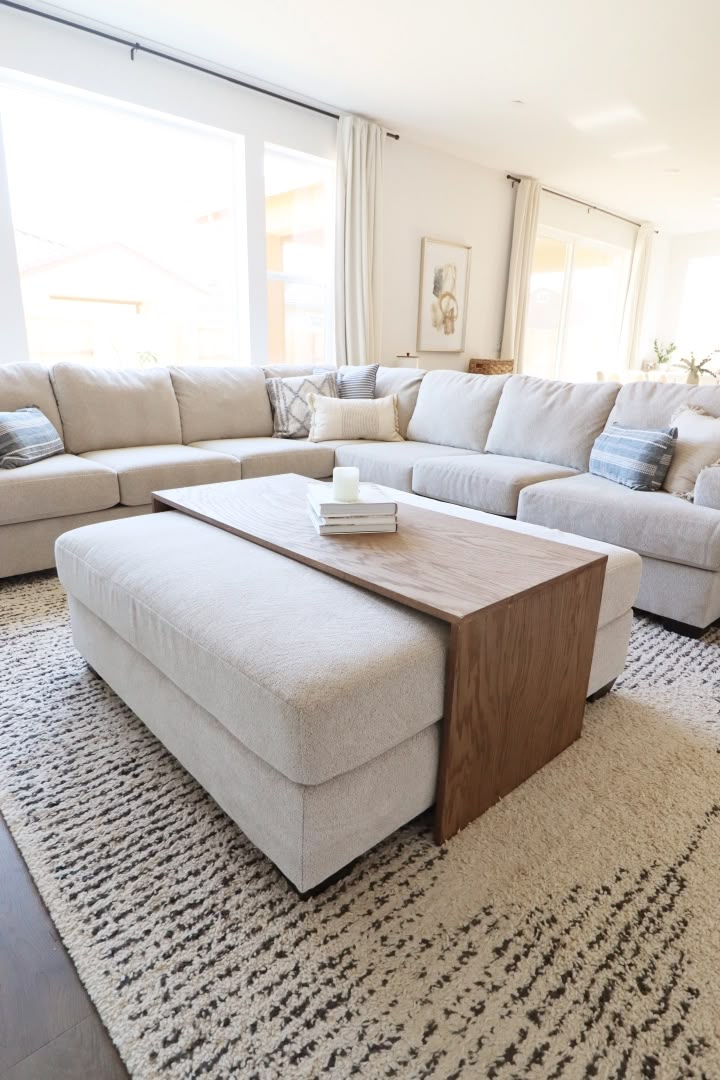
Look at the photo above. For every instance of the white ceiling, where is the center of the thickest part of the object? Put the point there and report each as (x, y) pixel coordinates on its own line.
(620, 99)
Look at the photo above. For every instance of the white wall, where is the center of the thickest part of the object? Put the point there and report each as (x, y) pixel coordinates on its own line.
(13, 344)
(671, 326)
(433, 194)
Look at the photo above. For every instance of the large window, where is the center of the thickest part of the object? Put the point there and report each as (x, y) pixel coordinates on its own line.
(128, 228)
(578, 289)
(299, 200)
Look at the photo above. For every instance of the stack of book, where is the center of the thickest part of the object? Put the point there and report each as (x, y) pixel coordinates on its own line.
(370, 513)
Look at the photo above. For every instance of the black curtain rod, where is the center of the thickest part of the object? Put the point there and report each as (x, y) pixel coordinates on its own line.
(136, 47)
(580, 202)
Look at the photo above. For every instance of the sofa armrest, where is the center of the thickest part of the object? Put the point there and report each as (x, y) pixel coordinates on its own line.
(707, 488)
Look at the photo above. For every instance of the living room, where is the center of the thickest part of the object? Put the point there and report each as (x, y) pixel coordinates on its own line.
(359, 540)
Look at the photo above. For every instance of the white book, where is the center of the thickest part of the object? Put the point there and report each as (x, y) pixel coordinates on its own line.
(360, 527)
(372, 500)
(356, 519)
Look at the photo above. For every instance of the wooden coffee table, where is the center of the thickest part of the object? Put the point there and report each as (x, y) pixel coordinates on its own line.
(523, 614)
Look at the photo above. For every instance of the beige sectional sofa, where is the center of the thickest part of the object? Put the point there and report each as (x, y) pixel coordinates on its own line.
(507, 445)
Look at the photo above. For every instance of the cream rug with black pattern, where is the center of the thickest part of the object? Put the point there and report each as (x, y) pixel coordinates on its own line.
(573, 931)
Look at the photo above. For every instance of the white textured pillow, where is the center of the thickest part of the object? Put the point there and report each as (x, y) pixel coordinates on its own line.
(697, 446)
(337, 418)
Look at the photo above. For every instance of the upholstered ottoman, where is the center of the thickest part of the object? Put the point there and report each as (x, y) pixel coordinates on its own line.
(307, 707)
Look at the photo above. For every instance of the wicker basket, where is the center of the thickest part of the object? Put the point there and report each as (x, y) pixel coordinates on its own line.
(491, 367)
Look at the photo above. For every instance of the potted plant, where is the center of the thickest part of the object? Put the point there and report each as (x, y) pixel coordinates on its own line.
(663, 353)
(695, 368)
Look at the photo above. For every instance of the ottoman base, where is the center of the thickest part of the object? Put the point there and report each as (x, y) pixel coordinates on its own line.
(310, 832)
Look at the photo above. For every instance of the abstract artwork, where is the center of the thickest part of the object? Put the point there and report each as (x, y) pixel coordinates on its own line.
(442, 310)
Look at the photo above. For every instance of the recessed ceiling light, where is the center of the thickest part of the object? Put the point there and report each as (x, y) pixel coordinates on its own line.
(621, 114)
(641, 151)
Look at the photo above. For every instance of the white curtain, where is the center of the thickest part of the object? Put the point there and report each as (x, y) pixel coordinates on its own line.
(635, 302)
(527, 205)
(358, 244)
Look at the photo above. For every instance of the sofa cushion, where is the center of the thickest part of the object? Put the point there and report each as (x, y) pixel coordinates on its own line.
(389, 463)
(487, 482)
(405, 382)
(291, 371)
(105, 409)
(697, 447)
(269, 457)
(26, 435)
(314, 697)
(653, 405)
(456, 409)
(144, 469)
(653, 523)
(221, 402)
(22, 385)
(707, 488)
(56, 487)
(370, 418)
(638, 458)
(290, 401)
(550, 421)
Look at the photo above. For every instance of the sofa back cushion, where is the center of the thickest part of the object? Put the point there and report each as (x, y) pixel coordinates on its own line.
(405, 383)
(653, 405)
(292, 371)
(456, 409)
(550, 421)
(25, 385)
(221, 402)
(103, 409)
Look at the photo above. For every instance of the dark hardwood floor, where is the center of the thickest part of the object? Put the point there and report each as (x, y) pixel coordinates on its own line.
(49, 1028)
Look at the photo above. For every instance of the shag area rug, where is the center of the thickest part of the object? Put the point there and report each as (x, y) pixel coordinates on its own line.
(572, 931)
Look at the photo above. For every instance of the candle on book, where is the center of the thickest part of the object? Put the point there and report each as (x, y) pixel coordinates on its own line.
(346, 483)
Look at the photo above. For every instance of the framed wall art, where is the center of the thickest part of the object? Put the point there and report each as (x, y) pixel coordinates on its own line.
(442, 307)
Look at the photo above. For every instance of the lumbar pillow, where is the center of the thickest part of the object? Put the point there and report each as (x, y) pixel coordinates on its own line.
(377, 419)
(698, 445)
(26, 435)
(634, 457)
(355, 382)
(289, 400)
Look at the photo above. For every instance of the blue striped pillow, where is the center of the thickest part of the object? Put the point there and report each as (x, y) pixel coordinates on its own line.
(635, 457)
(26, 435)
(355, 382)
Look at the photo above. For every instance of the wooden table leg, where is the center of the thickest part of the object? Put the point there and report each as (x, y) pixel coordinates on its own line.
(517, 679)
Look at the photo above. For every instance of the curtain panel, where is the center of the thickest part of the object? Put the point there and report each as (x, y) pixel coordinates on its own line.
(636, 300)
(358, 241)
(527, 205)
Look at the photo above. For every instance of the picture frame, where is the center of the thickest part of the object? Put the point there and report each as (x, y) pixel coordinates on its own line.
(443, 299)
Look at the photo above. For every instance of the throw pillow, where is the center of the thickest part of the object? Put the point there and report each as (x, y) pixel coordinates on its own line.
(634, 457)
(26, 435)
(698, 445)
(289, 400)
(355, 382)
(377, 419)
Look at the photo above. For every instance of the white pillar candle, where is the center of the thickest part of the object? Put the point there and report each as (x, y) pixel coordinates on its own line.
(346, 483)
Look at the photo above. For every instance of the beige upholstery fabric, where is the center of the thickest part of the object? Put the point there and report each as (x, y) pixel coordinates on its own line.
(55, 487)
(697, 446)
(390, 463)
(487, 482)
(269, 457)
(290, 371)
(353, 418)
(652, 523)
(309, 831)
(144, 469)
(456, 409)
(312, 697)
(652, 405)
(550, 421)
(683, 593)
(30, 545)
(221, 402)
(28, 384)
(622, 573)
(405, 382)
(707, 488)
(103, 409)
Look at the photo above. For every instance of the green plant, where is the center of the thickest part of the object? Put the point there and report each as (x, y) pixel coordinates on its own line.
(695, 368)
(663, 353)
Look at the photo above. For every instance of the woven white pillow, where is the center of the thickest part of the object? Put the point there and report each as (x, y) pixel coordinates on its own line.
(337, 418)
(697, 446)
